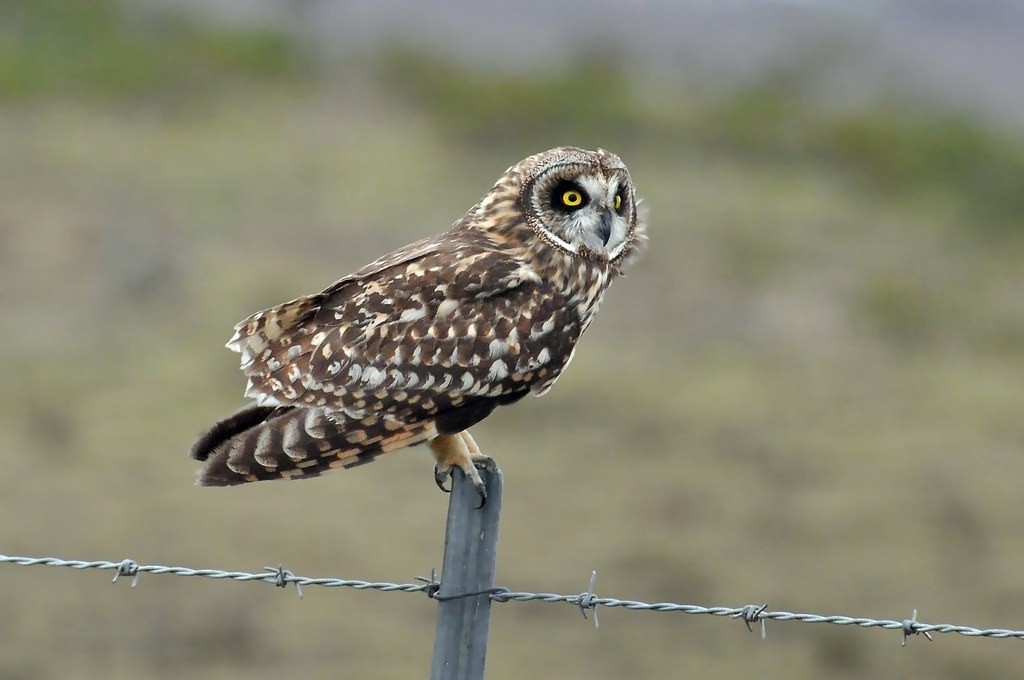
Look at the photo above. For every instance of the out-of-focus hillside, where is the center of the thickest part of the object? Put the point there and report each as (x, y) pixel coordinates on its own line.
(807, 392)
(956, 54)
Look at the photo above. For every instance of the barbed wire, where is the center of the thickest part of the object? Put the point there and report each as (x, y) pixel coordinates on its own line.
(749, 614)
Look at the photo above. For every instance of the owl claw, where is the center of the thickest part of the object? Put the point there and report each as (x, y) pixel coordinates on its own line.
(479, 462)
(459, 450)
(481, 491)
(441, 476)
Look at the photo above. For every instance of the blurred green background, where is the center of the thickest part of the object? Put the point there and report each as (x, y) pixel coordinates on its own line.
(808, 392)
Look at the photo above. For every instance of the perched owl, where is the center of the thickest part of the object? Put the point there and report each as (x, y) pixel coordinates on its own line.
(421, 344)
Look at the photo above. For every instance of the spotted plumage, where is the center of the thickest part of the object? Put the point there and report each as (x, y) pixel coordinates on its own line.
(423, 343)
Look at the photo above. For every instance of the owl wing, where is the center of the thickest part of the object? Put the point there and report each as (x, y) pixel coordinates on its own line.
(443, 329)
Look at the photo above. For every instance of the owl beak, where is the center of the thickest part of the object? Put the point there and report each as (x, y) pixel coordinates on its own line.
(604, 230)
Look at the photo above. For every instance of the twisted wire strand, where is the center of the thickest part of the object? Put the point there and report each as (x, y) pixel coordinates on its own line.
(750, 613)
(274, 575)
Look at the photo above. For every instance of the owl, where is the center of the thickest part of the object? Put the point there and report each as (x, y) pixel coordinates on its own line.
(420, 345)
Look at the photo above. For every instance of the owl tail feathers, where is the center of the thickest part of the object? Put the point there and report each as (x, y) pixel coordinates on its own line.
(264, 442)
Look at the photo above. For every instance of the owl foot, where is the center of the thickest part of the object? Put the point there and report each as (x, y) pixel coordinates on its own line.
(460, 451)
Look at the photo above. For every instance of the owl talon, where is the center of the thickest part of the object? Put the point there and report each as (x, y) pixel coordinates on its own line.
(460, 451)
(441, 476)
(480, 462)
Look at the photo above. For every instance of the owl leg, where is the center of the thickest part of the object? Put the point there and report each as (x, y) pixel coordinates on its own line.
(474, 450)
(459, 451)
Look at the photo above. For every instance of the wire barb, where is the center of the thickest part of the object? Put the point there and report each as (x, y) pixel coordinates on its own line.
(753, 613)
(912, 627)
(127, 567)
(282, 577)
(431, 585)
(588, 600)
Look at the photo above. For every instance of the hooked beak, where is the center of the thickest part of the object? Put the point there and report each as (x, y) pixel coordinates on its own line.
(604, 230)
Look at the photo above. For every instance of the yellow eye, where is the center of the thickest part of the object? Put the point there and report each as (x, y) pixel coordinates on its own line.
(572, 198)
(618, 201)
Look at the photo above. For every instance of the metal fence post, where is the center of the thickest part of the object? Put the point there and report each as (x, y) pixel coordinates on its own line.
(470, 549)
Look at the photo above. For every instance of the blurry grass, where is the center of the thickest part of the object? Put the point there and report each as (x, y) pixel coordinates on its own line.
(940, 154)
(501, 108)
(99, 47)
(807, 391)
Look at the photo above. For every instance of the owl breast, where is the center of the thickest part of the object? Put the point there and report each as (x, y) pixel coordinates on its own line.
(581, 286)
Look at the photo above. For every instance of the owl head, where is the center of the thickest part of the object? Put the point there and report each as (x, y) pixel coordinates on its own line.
(581, 202)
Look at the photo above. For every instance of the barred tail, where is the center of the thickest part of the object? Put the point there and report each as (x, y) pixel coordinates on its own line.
(290, 442)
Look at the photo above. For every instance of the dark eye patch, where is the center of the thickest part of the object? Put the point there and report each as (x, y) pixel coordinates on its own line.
(568, 196)
(621, 198)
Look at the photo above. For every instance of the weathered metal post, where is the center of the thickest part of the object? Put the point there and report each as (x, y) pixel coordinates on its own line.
(470, 549)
